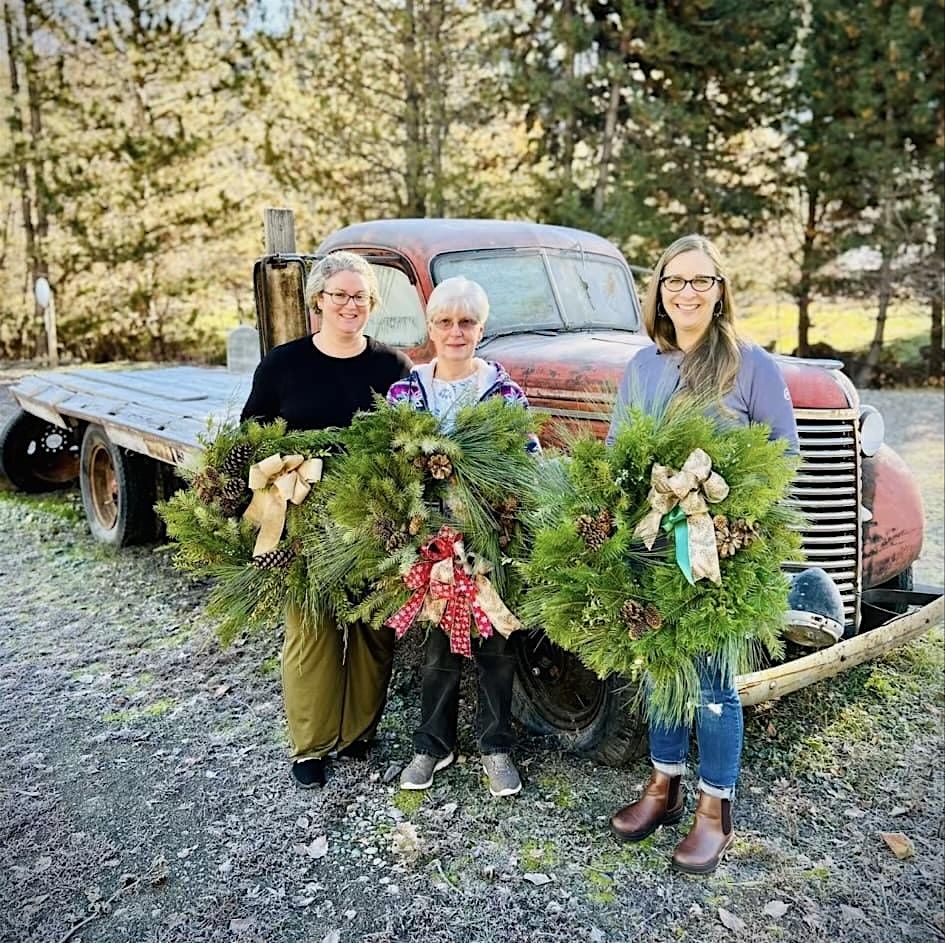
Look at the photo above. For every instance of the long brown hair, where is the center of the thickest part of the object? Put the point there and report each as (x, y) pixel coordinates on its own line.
(710, 368)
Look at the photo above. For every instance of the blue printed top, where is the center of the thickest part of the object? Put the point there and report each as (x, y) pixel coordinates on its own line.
(444, 398)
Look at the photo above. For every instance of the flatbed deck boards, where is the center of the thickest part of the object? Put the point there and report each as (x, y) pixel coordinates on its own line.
(157, 411)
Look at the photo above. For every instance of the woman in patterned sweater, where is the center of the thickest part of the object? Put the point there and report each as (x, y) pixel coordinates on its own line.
(455, 378)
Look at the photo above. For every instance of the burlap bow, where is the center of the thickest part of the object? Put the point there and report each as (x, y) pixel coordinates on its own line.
(275, 481)
(449, 596)
(679, 501)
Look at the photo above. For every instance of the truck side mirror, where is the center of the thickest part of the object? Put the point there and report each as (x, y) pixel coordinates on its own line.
(279, 288)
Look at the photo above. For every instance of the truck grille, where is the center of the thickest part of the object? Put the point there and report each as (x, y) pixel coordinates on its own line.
(827, 492)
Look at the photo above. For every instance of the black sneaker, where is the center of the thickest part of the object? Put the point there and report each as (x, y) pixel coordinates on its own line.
(308, 774)
(357, 750)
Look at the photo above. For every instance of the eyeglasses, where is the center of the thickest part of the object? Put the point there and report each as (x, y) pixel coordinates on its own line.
(445, 325)
(700, 283)
(341, 298)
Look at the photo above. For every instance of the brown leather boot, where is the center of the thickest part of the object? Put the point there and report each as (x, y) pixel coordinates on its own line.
(701, 850)
(660, 804)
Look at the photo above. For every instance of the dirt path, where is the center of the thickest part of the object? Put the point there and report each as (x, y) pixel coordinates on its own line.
(143, 788)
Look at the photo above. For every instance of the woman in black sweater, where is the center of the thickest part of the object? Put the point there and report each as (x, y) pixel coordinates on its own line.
(333, 697)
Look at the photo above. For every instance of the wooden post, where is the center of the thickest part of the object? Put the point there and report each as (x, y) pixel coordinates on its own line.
(280, 283)
(52, 339)
(43, 293)
(280, 231)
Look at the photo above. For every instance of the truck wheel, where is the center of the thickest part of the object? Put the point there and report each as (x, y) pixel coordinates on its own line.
(37, 456)
(555, 696)
(872, 618)
(117, 491)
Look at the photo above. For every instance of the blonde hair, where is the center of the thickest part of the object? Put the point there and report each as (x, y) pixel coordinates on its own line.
(708, 369)
(332, 264)
(459, 294)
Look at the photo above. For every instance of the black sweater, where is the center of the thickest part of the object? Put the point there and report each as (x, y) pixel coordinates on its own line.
(311, 390)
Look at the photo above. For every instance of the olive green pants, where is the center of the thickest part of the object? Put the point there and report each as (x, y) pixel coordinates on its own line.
(333, 695)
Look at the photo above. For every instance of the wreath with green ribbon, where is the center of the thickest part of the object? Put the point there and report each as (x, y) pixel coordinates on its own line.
(665, 550)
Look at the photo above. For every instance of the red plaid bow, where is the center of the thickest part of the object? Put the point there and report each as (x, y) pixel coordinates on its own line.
(459, 594)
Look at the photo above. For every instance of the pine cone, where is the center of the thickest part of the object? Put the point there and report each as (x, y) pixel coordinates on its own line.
(725, 540)
(237, 460)
(744, 533)
(640, 618)
(233, 496)
(420, 463)
(415, 525)
(278, 559)
(392, 536)
(207, 485)
(633, 614)
(653, 617)
(234, 489)
(440, 466)
(595, 531)
(507, 507)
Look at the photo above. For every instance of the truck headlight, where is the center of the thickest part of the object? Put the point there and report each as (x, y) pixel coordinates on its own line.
(872, 430)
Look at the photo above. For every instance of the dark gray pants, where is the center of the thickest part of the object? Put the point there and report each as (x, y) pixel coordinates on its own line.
(439, 702)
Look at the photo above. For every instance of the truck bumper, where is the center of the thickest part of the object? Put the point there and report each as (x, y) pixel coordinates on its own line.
(772, 683)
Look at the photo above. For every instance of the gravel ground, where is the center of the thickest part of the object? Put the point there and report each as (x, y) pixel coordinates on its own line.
(144, 793)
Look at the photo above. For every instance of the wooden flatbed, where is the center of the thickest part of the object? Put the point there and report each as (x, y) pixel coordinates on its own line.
(158, 412)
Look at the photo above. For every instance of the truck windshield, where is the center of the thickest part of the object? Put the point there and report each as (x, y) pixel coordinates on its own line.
(546, 289)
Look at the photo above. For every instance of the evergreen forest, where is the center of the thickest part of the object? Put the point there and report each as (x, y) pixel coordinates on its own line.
(142, 139)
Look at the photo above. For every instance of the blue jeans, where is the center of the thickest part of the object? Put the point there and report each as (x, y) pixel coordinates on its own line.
(719, 731)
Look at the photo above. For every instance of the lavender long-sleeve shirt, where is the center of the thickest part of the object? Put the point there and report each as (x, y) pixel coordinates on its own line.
(758, 395)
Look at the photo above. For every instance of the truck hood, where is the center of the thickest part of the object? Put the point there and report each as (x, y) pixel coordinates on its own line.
(581, 370)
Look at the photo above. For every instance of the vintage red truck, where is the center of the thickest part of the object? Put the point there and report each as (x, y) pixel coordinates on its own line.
(565, 320)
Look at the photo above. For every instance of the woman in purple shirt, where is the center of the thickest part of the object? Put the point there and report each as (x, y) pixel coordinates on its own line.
(690, 314)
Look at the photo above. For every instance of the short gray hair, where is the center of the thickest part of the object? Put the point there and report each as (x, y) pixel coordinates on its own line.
(459, 294)
(332, 264)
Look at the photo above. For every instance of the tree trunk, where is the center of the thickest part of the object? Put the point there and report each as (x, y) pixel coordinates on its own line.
(936, 354)
(566, 168)
(805, 283)
(15, 122)
(867, 371)
(436, 94)
(415, 201)
(935, 340)
(36, 134)
(610, 133)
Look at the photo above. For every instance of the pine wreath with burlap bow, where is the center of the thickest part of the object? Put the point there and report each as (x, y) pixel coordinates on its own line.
(665, 549)
(239, 521)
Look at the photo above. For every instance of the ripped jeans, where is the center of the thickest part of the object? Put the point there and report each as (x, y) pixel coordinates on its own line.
(719, 732)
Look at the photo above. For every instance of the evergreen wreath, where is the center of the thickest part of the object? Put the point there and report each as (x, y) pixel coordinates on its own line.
(622, 609)
(398, 482)
(213, 539)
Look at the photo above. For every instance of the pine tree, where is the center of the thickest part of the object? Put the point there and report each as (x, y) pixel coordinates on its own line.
(865, 138)
(389, 109)
(137, 173)
(644, 113)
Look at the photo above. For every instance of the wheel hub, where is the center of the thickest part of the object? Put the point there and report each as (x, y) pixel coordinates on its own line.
(559, 686)
(104, 487)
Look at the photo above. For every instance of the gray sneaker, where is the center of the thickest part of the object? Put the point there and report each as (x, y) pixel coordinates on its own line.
(503, 776)
(418, 773)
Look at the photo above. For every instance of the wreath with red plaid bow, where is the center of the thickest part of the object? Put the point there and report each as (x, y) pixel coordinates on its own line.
(414, 524)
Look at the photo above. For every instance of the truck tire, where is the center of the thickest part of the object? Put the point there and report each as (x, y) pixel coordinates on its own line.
(118, 491)
(555, 696)
(37, 456)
